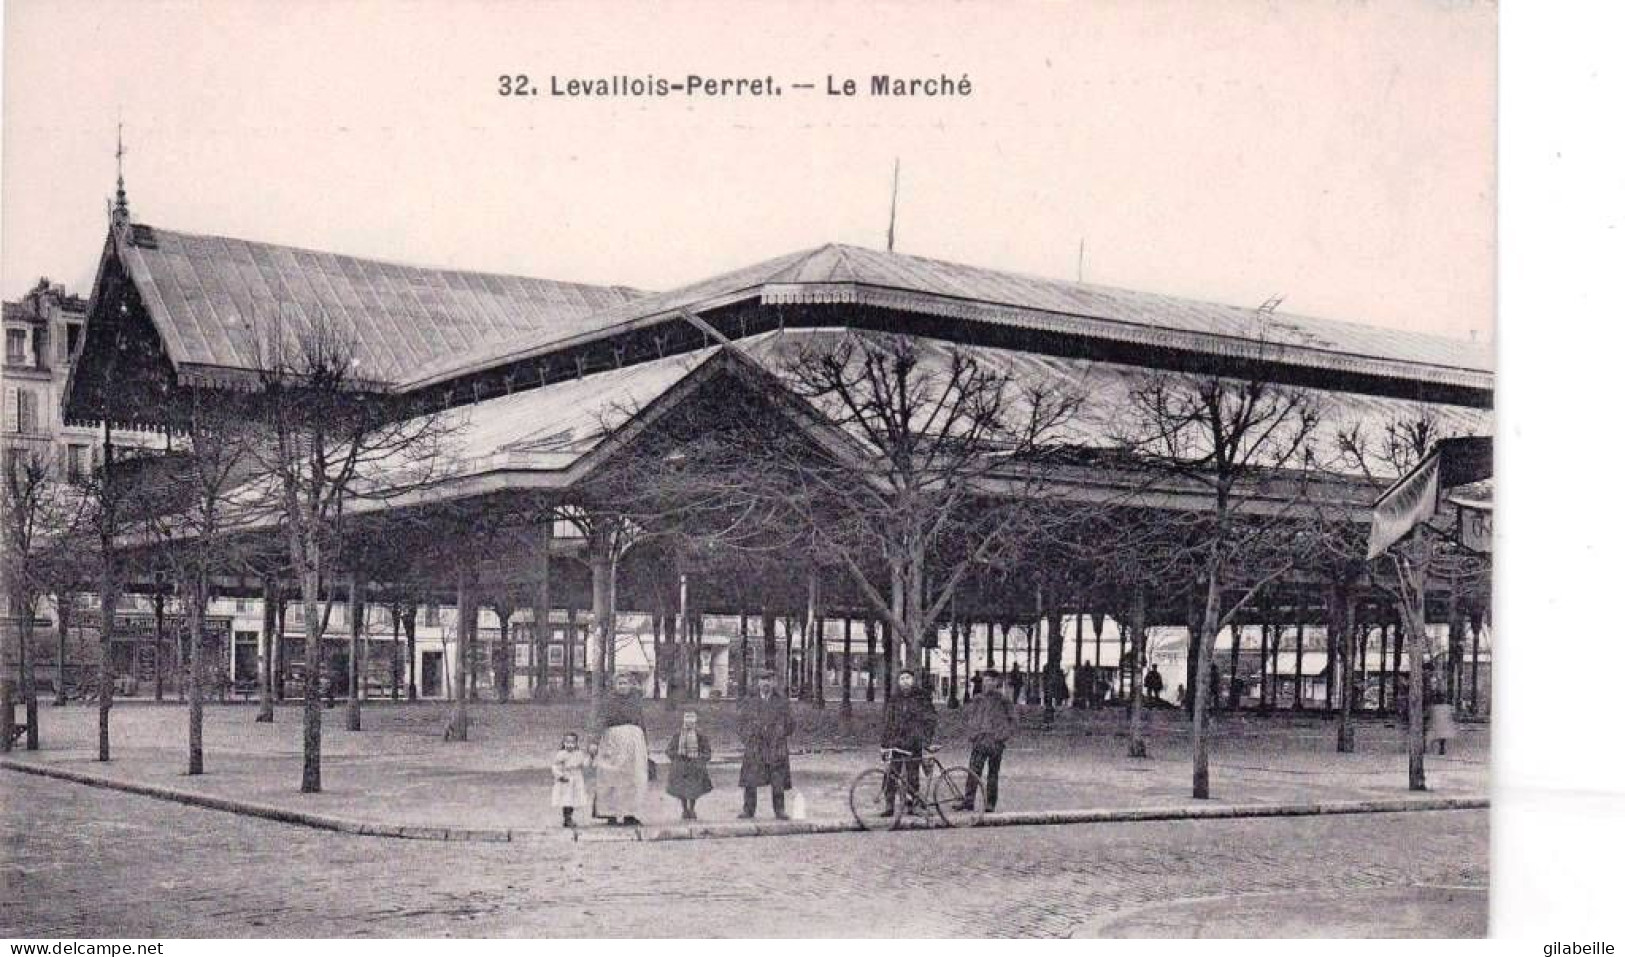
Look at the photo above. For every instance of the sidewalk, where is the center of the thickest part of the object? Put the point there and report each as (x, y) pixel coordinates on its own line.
(399, 778)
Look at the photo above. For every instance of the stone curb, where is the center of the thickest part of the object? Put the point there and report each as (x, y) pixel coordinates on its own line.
(688, 832)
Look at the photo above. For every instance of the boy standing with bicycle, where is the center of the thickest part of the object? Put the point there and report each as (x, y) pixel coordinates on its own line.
(910, 724)
(991, 719)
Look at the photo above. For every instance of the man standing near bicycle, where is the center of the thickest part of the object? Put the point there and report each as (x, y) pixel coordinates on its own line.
(910, 725)
(991, 719)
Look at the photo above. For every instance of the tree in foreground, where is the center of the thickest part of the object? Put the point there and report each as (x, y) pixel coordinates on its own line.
(330, 439)
(195, 500)
(1244, 446)
(1427, 556)
(37, 510)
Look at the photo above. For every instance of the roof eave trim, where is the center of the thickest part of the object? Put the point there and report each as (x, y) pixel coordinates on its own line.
(858, 293)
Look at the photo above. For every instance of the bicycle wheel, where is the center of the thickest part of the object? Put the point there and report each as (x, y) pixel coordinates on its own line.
(867, 799)
(958, 797)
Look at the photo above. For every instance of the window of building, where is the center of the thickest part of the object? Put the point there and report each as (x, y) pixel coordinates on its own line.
(16, 346)
(78, 462)
(70, 342)
(27, 411)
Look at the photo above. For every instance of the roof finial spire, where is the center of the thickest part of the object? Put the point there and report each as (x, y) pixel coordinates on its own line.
(121, 203)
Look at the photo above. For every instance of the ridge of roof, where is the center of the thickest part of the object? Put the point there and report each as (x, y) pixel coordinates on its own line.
(377, 260)
(1062, 305)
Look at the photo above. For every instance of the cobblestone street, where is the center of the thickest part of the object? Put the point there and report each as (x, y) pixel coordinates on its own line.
(82, 862)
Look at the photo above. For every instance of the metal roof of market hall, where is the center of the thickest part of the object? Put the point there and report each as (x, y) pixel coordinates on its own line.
(418, 327)
(834, 274)
(204, 293)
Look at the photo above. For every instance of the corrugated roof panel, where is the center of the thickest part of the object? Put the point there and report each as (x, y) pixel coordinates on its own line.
(203, 291)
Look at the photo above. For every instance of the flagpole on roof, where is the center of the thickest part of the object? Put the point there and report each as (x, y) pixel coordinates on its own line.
(891, 227)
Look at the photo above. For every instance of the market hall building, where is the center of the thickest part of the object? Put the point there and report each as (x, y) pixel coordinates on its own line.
(549, 380)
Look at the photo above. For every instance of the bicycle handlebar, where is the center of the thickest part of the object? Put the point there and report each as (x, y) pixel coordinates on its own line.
(887, 753)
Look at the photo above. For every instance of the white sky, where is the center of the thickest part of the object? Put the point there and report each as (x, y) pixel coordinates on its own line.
(1339, 154)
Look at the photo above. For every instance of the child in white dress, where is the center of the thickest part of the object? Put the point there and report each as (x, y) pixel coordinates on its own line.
(569, 777)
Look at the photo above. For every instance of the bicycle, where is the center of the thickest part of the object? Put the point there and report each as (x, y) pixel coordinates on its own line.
(953, 794)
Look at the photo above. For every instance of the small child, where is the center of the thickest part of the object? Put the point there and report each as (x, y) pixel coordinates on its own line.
(569, 773)
(690, 752)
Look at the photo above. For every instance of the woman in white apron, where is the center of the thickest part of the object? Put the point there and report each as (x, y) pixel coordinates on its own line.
(622, 761)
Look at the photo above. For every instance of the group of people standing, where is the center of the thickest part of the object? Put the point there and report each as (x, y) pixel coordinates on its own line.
(620, 770)
(612, 775)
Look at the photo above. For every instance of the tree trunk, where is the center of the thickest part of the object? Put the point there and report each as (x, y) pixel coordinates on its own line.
(1078, 695)
(467, 615)
(1383, 671)
(1208, 638)
(603, 618)
(310, 600)
(1297, 667)
(267, 710)
(1053, 652)
(64, 608)
(504, 655)
(279, 649)
(410, 623)
(1232, 689)
(1340, 609)
(541, 616)
(815, 629)
(25, 663)
(1136, 698)
(846, 667)
(953, 662)
(395, 650)
(571, 633)
(770, 644)
(104, 664)
(1193, 654)
(194, 674)
(1457, 630)
(352, 702)
(870, 662)
(1476, 624)
(158, 604)
(1413, 608)
(888, 651)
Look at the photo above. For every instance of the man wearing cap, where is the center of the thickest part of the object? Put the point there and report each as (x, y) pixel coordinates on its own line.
(910, 725)
(765, 726)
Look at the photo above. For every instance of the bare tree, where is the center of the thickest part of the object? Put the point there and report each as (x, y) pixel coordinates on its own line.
(37, 510)
(1426, 557)
(1240, 442)
(936, 474)
(195, 500)
(332, 439)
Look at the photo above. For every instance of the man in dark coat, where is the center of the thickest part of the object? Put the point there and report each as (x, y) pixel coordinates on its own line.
(1087, 694)
(1153, 683)
(1055, 691)
(765, 726)
(910, 725)
(991, 720)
